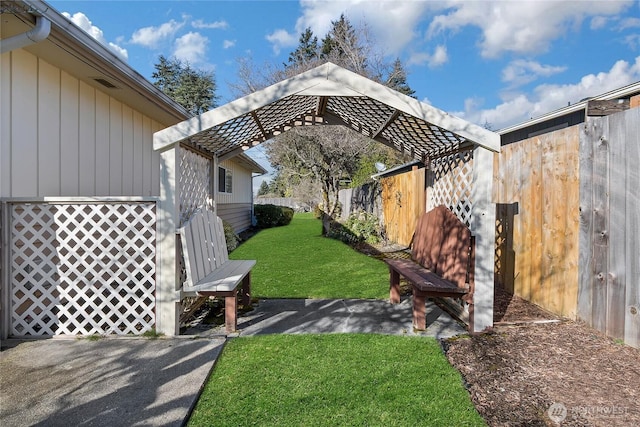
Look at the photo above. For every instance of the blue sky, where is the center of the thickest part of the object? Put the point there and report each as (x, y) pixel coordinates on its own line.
(497, 62)
(490, 62)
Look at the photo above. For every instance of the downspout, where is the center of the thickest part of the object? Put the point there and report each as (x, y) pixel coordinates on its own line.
(36, 34)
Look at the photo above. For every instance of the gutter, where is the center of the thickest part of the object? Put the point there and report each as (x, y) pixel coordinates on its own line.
(37, 34)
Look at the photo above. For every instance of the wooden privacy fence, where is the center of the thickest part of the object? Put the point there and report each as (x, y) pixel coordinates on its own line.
(536, 190)
(403, 201)
(568, 219)
(609, 281)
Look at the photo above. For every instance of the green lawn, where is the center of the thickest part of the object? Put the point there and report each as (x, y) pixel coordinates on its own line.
(295, 261)
(334, 380)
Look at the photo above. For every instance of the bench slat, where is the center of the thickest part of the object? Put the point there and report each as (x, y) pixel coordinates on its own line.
(224, 279)
(423, 279)
(223, 254)
(211, 241)
(189, 251)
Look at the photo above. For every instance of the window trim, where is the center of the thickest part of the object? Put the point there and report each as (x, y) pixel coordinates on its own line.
(225, 180)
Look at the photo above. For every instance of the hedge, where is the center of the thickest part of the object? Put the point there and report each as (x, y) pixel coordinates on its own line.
(268, 216)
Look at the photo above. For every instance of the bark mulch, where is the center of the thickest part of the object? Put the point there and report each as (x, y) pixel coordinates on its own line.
(530, 373)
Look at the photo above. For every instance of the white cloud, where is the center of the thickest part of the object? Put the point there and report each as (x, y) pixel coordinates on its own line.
(633, 41)
(151, 36)
(216, 25)
(191, 48)
(546, 98)
(599, 22)
(521, 72)
(393, 24)
(280, 39)
(521, 26)
(439, 57)
(627, 23)
(227, 44)
(82, 21)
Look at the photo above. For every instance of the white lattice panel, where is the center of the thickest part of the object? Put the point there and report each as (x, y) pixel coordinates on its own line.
(452, 184)
(82, 268)
(194, 182)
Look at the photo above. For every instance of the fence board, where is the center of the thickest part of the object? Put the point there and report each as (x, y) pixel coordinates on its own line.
(600, 227)
(585, 261)
(632, 225)
(616, 277)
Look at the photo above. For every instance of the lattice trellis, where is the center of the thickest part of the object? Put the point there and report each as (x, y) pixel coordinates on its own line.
(85, 268)
(451, 184)
(194, 182)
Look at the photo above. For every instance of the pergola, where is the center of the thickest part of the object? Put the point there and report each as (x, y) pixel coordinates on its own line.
(327, 94)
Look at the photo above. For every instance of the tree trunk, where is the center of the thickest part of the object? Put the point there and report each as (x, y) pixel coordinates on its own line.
(326, 218)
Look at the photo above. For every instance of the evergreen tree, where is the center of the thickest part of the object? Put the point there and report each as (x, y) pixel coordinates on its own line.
(193, 89)
(397, 79)
(343, 46)
(306, 52)
(264, 189)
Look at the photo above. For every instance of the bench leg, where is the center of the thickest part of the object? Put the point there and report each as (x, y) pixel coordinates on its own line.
(231, 312)
(419, 311)
(394, 286)
(246, 290)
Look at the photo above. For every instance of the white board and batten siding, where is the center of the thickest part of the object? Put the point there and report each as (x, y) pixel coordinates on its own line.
(62, 137)
(235, 207)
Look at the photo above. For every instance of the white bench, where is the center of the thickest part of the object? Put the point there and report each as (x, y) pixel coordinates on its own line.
(210, 272)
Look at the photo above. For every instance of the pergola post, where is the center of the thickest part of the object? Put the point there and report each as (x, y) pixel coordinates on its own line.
(483, 227)
(167, 286)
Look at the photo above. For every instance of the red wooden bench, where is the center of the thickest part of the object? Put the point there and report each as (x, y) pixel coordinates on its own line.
(441, 265)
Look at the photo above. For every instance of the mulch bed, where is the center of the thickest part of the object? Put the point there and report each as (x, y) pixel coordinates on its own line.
(529, 373)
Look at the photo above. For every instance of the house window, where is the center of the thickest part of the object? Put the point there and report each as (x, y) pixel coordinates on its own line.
(224, 180)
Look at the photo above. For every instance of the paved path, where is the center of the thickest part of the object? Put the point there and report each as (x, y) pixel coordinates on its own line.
(109, 382)
(299, 316)
(137, 381)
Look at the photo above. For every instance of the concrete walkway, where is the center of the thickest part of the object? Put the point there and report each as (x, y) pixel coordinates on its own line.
(317, 316)
(109, 382)
(144, 382)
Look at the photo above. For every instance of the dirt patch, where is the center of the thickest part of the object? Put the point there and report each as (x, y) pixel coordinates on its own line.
(528, 373)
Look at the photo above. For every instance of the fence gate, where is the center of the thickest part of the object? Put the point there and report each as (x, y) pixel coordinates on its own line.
(81, 267)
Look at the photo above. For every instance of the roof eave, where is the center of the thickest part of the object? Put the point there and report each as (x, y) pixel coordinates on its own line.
(622, 92)
(110, 63)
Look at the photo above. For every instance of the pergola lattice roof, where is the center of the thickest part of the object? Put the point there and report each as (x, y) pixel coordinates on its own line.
(329, 94)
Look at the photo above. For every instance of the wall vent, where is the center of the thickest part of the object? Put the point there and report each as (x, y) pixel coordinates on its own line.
(105, 83)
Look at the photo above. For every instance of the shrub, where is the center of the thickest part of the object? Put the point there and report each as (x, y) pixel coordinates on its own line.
(268, 216)
(364, 225)
(230, 236)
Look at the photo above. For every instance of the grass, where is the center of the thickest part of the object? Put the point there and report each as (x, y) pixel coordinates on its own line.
(296, 261)
(334, 380)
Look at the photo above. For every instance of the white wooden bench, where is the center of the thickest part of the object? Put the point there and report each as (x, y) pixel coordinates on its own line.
(209, 270)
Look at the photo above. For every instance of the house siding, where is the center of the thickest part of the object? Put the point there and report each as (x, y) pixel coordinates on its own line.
(62, 137)
(236, 207)
(242, 191)
(236, 214)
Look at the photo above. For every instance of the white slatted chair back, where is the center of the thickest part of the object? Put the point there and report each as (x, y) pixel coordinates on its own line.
(203, 245)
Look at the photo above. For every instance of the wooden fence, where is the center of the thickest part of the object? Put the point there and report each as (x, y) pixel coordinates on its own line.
(536, 191)
(609, 282)
(568, 218)
(403, 201)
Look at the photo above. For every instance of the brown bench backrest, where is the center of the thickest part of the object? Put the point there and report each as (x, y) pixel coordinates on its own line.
(443, 244)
